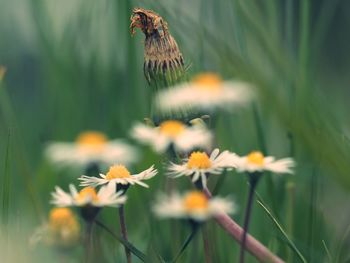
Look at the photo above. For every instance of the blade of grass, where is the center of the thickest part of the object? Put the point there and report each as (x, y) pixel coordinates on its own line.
(6, 199)
(127, 244)
(280, 228)
(329, 255)
(185, 244)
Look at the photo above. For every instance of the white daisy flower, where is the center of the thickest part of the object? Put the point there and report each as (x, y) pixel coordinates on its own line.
(61, 230)
(193, 205)
(199, 165)
(106, 196)
(257, 162)
(172, 132)
(207, 91)
(89, 147)
(119, 175)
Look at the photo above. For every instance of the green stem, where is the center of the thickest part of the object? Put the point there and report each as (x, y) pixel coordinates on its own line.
(124, 232)
(253, 182)
(206, 245)
(88, 242)
(290, 214)
(304, 43)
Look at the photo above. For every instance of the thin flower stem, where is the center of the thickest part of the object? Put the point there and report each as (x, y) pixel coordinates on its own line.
(88, 242)
(252, 185)
(258, 250)
(206, 245)
(124, 232)
(186, 243)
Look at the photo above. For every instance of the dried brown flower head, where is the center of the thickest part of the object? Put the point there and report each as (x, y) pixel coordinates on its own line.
(162, 55)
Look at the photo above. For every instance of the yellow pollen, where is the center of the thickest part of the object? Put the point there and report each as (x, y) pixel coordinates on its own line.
(171, 128)
(87, 193)
(92, 140)
(195, 200)
(117, 171)
(256, 158)
(61, 217)
(199, 160)
(207, 81)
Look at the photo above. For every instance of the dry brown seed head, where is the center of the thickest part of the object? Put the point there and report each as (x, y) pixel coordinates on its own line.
(162, 54)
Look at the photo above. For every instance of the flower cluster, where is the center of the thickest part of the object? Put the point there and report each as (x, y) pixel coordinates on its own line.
(189, 144)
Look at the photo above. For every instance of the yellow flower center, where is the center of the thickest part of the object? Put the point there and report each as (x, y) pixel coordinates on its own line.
(92, 140)
(61, 217)
(87, 193)
(256, 158)
(195, 200)
(171, 128)
(208, 80)
(117, 171)
(199, 160)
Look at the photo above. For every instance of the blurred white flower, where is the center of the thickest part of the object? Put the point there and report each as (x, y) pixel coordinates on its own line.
(199, 165)
(89, 147)
(106, 196)
(172, 132)
(118, 174)
(193, 205)
(257, 162)
(62, 230)
(207, 91)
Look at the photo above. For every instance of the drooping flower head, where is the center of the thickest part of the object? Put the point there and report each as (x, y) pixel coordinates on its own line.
(174, 133)
(118, 178)
(91, 147)
(161, 53)
(199, 165)
(257, 162)
(193, 205)
(206, 92)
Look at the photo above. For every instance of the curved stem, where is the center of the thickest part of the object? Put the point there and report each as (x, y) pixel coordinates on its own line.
(258, 250)
(252, 185)
(124, 232)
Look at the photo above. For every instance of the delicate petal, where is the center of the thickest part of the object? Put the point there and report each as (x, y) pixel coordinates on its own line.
(191, 96)
(281, 166)
(175, 206)
(72, 154)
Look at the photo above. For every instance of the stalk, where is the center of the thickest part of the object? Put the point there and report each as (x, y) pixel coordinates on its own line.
(124, 232)
(206, 245)
(256, 249)
(252, 185)
(88, 242)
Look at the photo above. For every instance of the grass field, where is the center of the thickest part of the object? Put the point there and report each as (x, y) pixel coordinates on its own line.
(73, 66)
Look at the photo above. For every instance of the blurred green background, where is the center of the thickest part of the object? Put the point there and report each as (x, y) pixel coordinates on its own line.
(72, 65)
